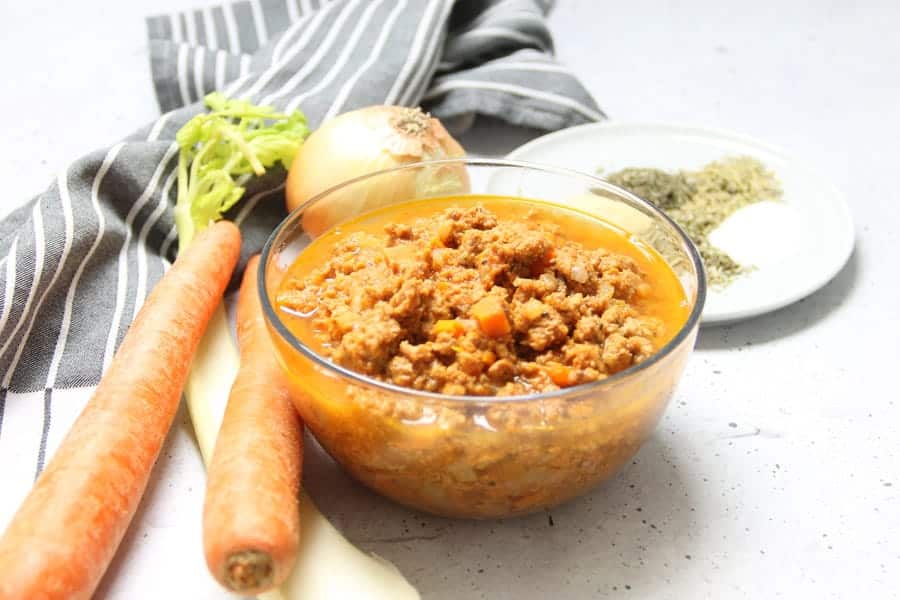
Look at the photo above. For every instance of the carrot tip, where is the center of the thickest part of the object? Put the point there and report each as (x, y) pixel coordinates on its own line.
(249, 570)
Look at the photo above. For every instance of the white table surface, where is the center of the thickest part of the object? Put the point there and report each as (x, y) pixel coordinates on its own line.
(775, 470)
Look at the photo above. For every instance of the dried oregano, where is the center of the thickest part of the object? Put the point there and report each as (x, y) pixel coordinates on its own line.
(701, 200)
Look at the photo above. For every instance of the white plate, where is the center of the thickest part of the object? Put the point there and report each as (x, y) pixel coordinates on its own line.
(796, 245)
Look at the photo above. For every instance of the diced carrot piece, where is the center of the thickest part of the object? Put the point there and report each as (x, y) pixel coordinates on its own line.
(451, 326)
(561, 375)
(489, 357)
(491, 317)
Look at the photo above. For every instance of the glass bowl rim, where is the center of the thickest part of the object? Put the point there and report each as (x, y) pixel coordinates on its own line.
(274, 320)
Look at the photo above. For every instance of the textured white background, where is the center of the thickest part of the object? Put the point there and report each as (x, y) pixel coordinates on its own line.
(775, 471)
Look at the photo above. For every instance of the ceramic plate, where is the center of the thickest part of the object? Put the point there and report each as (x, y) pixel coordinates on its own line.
(795, 246)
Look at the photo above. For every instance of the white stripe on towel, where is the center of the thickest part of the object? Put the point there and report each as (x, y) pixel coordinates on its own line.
(122, 278)
(73, 286)
(66, 204)
(517, 90)
(349, 47)
(234, 42)
(414, 53)
(426, 61)
(182, 68)
(383, 35)
(39, 242)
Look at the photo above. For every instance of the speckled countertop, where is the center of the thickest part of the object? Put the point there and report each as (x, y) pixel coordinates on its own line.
(775, 470)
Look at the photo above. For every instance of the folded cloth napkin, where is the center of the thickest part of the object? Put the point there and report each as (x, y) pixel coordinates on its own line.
(78, 260)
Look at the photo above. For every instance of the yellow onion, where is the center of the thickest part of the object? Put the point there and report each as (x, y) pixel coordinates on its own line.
(367, 140)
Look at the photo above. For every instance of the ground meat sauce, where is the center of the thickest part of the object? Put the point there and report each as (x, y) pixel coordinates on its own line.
(491, 297)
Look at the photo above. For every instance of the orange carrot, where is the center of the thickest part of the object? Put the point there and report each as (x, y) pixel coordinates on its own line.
(562, 375)
(64, 535)
(491, 317)
(251, 518)
(451, 326)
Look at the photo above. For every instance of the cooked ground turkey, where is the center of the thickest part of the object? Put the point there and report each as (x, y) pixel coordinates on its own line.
(408, 306)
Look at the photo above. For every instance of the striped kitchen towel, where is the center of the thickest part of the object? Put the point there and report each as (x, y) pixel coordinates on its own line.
(78, 260)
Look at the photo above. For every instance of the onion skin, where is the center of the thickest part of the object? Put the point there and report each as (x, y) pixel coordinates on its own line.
(361, 142)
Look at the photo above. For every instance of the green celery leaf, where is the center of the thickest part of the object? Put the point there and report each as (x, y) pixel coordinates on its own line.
(236, 138)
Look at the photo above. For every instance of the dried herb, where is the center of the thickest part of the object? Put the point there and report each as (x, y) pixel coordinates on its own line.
(665, 190)
(701, 200)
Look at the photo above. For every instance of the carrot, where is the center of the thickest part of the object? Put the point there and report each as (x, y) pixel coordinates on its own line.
(64, 535)
(251, 518)
(451, 326)
(491, 317)
(562, 375)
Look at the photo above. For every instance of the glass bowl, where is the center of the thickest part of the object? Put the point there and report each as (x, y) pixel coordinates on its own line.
(485, 457)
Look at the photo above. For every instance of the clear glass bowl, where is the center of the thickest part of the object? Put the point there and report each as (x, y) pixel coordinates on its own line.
(475, 456)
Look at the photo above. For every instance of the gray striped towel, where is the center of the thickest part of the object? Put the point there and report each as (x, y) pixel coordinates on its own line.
(78, 260)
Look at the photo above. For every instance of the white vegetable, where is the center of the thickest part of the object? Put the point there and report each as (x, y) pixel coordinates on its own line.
(328, 566)
(213, 370)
